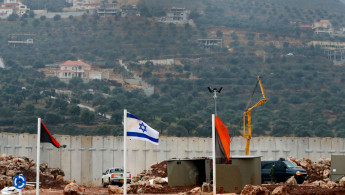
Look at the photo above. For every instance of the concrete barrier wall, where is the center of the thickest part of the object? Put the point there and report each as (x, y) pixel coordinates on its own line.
(86, 157)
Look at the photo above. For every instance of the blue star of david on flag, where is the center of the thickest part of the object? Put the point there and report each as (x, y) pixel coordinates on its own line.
(142, 126)
(138, 129)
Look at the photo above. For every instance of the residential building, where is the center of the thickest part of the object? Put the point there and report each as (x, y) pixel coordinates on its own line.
(129, 10)
(107, 9)
(84, 5)
(324, 26)
(177, 15)
(210, 43)
(12, 7)
(70, 69)
(158, 62)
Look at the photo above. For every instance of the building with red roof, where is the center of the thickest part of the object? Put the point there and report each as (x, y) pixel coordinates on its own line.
(70, 69)
(324, 26)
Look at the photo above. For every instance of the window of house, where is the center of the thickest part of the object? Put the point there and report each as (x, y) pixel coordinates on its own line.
(65, 74)
(65, 67)
(72, 68)
(69, 74)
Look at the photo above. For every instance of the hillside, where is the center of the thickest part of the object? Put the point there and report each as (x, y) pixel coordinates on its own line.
(304, 90)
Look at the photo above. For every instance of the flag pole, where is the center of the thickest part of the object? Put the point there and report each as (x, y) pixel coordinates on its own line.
(214, 154)
(124, 151)
(38, 157)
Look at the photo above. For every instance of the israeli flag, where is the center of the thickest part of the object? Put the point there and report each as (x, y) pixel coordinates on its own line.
(138, 129)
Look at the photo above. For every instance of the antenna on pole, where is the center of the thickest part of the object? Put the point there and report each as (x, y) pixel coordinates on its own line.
(215, 91)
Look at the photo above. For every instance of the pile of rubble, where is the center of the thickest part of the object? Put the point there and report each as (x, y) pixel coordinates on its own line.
(11, 166)
(318, 181)
(319, 170)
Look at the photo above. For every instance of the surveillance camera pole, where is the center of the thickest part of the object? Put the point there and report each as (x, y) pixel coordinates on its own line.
(215, 91)
(215, 101)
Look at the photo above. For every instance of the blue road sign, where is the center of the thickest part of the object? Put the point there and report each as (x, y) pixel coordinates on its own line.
(19, 181)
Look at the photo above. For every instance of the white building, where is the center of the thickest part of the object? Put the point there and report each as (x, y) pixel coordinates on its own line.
(70, 69)
(12, 7)
(177, 15)
(324, 26)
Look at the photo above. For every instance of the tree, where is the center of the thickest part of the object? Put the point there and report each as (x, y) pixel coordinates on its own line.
(60, 104)
(12, 17)
(29, 109)
(281, 128)
(219, 34)
(17, 99)
(189, 124)
(102, 110)
(323, 130)
(57, 17)
(75, 110)
(43, 18)
(35, 23)
(177, 130)
(53, 118)
(87, 117)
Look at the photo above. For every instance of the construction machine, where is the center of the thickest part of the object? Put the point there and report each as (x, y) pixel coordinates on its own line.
(248, 133)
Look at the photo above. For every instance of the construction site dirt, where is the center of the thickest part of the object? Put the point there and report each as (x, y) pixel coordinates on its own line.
(151, 182)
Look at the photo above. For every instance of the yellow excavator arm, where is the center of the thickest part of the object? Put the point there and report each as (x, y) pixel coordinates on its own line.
(246, 114)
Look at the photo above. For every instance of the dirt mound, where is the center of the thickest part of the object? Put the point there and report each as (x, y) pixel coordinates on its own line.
(11, 166)
(319, 170)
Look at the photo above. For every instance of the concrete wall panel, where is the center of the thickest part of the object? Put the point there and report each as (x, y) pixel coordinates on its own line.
(182, 145)
(315, 145)
(338, 146)
(118, 152)
(22, 142)
(291, 147)
(76, 158)
(86, 159)
(171, 147)
(326, 146)
(32, 146)
(138, 157)
(131, 154)
(66, 157)
(107, 153)
(303, 149)
(97, 159)
(280, 145)
(236, 145)
(5, 145)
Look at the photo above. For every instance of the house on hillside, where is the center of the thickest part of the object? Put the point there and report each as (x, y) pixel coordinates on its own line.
(9, 7)
(70, 69)
(210, 43)
(158, 62)
(86, 5)
(129, 10)
(107, 9)
(324, 26)
(176, 15)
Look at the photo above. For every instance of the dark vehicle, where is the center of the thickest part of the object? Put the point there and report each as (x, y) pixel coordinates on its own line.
(283, 170)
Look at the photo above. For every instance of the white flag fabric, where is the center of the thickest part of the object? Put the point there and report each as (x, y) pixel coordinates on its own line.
(138, 129)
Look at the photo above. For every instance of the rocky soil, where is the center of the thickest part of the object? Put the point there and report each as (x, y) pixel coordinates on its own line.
(11, 166)
(317, 183)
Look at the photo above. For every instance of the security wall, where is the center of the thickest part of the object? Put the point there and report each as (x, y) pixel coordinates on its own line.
(86, 157)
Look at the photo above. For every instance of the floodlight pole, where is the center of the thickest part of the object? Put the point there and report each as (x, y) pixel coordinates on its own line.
(215, 101)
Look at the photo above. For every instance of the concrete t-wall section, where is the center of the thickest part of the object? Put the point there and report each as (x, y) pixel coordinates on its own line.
(86, 157)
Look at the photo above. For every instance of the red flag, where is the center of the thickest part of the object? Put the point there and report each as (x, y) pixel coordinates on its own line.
(222, 142)
(47, 137)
